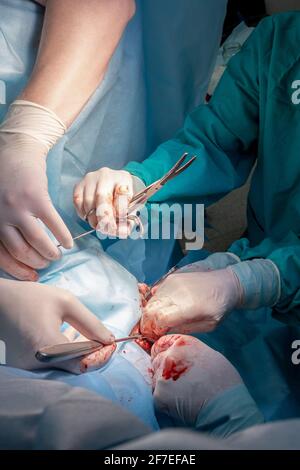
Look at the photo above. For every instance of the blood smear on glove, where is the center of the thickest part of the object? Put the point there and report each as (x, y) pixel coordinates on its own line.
(174, 370)
(180, 342)
(97, 359)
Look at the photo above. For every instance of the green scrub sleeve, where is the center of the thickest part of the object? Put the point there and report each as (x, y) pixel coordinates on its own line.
(222, 134)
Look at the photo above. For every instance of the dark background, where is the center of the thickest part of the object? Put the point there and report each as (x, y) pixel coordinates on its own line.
(241, 10)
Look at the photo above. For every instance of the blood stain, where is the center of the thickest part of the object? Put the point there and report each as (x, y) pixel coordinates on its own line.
(180, 342)
(167, 341)
(174, 370)
(144, 344)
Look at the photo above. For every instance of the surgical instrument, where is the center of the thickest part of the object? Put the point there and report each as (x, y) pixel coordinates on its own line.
(84, 234)
(80, 236)
(67, 351)
(159, 281)
(143, 196)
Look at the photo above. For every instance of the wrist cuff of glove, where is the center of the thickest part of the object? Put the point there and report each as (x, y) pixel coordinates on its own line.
(212, 263)
(232, 411)
(260, 283)
(34, 121)
(221, 260)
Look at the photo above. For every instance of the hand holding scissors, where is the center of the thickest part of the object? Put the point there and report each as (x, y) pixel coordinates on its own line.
(105, 185)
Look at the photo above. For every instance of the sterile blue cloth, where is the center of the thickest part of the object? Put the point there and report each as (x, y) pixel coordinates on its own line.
(230, 412)
(40, 414)
(151, 84)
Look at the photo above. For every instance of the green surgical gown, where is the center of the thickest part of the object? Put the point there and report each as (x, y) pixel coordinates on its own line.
(253, 120)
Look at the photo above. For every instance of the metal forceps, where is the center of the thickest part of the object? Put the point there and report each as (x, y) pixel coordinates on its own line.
(140, 198)
(67, 351)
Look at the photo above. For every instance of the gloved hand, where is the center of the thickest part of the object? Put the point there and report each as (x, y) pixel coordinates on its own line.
(26, 136)
(31, 316)
(108, 192)
(190, 302)
(187, 374)
(211, 263)
(197, 386)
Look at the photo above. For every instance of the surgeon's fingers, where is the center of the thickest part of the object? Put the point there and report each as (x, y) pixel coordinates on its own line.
(78, 199)
(92, 220)
(166, 342)
(144, 291)
(15, 268)
(156, 320)
(20, 249)
(125, 228)
(84, 321)
(122, 197)
(84, 197)
(74, 365)
(97, 359)
(91, 361)
(89, 202)
(105, 213)
(51, 218)
(172, 356)
(35, 235)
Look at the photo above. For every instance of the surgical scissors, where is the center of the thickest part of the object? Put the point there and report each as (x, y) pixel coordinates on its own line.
(140, 198)
(143, 196)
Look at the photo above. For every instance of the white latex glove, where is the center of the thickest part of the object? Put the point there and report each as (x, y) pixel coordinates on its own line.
(26, 136)
(108, 192)
(191, 302)
(211, 263)
(31, 316)
(187, 375)
(198, 296)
